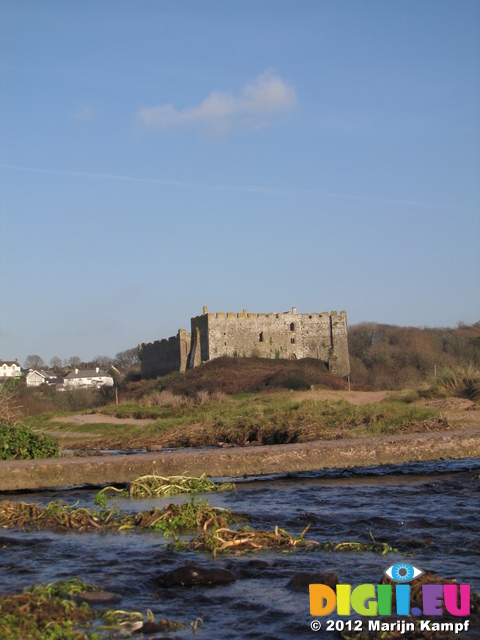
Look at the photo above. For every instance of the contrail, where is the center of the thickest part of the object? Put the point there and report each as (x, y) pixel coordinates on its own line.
(246, 189)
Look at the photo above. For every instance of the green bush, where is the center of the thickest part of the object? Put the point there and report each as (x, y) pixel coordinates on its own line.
(22, 443)
(295, 384)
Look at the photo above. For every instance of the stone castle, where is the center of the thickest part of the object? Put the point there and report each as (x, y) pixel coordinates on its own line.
(266, 335)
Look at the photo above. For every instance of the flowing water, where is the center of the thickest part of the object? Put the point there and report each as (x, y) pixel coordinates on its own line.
(430, 510)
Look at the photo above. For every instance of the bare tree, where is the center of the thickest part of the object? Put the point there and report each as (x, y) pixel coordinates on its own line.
(103, 361)
(74, 361)
(56, 363)
(127, 359)
(34, 362)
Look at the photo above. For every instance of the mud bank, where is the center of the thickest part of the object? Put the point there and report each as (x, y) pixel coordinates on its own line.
(240, 461)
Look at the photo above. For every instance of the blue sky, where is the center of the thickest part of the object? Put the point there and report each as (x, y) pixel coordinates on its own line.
(157, 156)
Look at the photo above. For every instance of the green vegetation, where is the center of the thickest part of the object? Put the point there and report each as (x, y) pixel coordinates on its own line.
(46, 611)
(171, 520)
(50, 611)
(375, 547)
(159, 487)
(225, 539)
(17, 442)
(458, 380)
(194, 514)
(267, 418)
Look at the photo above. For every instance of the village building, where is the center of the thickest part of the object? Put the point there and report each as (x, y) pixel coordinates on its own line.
(87, 378)
(9, 369)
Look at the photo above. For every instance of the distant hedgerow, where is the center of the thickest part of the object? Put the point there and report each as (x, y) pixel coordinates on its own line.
(22, 443)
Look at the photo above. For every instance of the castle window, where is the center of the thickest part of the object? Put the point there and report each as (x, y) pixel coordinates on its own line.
(292, 326)
(260, 337)
(292, 340)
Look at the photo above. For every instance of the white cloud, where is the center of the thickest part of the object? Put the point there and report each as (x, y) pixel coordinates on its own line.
(221, 111)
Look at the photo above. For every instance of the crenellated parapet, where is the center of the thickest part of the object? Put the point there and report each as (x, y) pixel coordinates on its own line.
(164, 356)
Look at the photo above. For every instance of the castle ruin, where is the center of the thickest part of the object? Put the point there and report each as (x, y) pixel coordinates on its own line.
(289, 335)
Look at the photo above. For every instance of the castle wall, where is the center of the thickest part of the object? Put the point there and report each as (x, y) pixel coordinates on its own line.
(164, 356)
(340, 358)
(199, 351)
(275, 335)
(288, 335)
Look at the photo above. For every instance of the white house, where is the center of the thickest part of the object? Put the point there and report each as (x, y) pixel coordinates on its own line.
(78, 379)
(10, 369)
(34, 378)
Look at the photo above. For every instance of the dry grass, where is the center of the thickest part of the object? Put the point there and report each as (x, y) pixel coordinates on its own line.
(172, 400)
(164, 399)
(9, 409)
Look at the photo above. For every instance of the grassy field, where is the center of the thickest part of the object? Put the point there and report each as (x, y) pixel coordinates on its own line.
(277, 418)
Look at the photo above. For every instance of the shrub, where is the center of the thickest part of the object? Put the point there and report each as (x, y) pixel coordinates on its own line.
(17, 442)
(295, 384)
(459, 380)
(164, 399)
(202, 396)
(9, 408)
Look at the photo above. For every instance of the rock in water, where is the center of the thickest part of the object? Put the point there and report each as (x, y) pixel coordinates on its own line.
(192, 575)
(300, 581)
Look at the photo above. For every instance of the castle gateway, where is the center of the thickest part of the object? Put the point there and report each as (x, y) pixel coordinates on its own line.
(289, 335)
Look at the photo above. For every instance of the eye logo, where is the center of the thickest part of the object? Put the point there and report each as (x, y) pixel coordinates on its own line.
(403, 572)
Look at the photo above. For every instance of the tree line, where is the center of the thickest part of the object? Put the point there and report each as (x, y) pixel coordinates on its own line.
(390, 357)
(124, 361)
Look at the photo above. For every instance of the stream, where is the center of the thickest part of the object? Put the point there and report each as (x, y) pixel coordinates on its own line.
(429, 511)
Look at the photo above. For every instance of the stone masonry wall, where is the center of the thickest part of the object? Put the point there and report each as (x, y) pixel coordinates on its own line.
(164, 356)
(275, 335)
(340, 359)
(288, 335)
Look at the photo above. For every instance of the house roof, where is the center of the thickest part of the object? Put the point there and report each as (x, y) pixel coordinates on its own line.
(9, 362)
(40, 373)
(87, 373)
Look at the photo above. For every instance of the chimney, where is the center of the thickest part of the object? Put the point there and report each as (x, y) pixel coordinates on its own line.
(97, 369)
(205, 310)
(76, 370)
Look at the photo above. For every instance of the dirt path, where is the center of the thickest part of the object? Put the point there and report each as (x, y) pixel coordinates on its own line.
(354, 397)
(98, 418)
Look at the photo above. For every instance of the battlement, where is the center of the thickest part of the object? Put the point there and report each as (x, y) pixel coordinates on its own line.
(164, 356)
(244, 314)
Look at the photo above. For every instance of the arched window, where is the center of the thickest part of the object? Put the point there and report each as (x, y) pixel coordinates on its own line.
(260, 337)
(292, 326)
